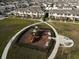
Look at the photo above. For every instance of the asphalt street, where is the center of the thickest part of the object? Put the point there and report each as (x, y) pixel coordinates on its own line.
(2, 17)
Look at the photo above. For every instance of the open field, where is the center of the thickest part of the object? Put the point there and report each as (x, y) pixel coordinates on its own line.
(9, 27)
(21, 52)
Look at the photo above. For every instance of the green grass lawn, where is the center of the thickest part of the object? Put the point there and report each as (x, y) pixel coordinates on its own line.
(21, 52)
(10, 26)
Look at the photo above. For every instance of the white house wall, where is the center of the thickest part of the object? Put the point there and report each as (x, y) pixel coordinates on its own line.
(23, 13)
(63, 15)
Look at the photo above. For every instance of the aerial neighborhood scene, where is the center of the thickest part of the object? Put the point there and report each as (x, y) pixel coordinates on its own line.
(39, 29)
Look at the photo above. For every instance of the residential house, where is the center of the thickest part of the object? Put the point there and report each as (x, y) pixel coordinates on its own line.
(71, 14)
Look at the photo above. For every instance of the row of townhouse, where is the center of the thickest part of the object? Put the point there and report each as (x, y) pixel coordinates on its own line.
(36, 12)
(32, 11)
(72, 14)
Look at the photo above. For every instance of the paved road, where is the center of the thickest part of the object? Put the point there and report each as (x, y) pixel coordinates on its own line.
(2, 17)
(64, 22)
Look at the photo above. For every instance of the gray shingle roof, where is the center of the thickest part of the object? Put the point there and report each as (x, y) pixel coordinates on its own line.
(31, 9)
(2, 8)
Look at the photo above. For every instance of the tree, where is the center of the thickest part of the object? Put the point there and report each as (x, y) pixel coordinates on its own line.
(45, 18)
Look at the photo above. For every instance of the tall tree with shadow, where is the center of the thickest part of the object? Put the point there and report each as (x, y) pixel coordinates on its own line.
(45, 17)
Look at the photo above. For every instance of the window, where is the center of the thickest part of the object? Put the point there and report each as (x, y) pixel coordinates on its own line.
(69, 14)
(65, 14)
(77, 14)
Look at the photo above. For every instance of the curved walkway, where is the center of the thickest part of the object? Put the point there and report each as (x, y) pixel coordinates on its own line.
(5, 52)
(54, 52)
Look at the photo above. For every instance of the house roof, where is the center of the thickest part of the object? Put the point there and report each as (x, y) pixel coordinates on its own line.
(10, 6)
(31, 9)
(2, 8)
